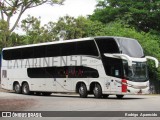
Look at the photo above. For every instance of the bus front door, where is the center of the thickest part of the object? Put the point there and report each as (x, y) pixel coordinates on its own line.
(115, 85)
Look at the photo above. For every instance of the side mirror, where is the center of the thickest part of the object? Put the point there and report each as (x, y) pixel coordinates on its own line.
(121, 56)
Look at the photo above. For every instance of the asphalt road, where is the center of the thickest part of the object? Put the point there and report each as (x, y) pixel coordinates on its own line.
(64, 102)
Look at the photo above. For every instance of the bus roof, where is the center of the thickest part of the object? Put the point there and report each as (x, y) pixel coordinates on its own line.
(64, 41)
(49, 43)
(125, 45)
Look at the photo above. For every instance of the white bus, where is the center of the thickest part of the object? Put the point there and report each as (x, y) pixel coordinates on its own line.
(101, 66)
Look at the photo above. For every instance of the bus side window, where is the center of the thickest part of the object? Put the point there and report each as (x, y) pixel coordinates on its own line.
(72, 72)
(86, 48)
(67, 49)
(52, 50)
(39, 51)
(90, 72)
(80, 73)
(27, 53)
(116, 73)
(59, 72)
(113, 67)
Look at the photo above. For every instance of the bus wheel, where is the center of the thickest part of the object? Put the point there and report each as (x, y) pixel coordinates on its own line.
(97, 91)
(17, 88)
(25, 89)
(119, 96)
(83, 91)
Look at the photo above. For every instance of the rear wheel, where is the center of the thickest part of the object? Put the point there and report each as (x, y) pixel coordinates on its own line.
(97, 91)
(120, 96)
(83, 91)
(25, 89)
(17, 88)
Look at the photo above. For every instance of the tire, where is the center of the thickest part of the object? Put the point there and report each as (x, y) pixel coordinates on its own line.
(83, 91)
(105, 96)
(25, 89)
(97, 91)
(17, 88)
(119, 96)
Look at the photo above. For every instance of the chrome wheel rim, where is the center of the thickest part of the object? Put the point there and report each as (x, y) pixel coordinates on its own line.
(95, 90)
(81, 90)
(17, 87)
(25, 88)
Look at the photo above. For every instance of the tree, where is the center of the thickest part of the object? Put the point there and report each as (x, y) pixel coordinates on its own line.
(141, 14)
(35, 33)
(16, 39)
(3, 32)
(77, 27)
(67, 24)
(8, 8)
(72, 28)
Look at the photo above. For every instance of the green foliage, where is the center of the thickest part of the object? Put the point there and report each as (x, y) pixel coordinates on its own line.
(34, 32)
(141, 14)
(3, 33)
(16, 40)
(78, 28)
(10, 8)
(74, 27)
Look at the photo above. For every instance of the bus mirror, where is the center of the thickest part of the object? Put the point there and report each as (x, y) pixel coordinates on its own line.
(153, 58)
(121, 56)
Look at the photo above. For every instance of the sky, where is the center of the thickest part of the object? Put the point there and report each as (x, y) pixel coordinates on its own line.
(48, 13)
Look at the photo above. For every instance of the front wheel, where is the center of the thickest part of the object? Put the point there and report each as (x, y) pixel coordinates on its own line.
(97, 91)
(17, 88)
(25, 89)
(120, 96)
(83, 91)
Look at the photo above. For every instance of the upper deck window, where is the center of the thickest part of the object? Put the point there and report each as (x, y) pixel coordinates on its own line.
(54, 50)
(107, 45)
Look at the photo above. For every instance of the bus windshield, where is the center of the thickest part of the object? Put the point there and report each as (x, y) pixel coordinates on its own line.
(137, 73)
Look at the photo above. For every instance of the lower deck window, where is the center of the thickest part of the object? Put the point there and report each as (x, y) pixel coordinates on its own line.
(63, 72)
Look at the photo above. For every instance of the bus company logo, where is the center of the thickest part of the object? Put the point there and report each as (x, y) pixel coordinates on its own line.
(6, 114)
(47, 62)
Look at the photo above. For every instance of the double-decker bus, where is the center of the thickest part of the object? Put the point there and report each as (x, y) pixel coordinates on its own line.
(102, 66)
